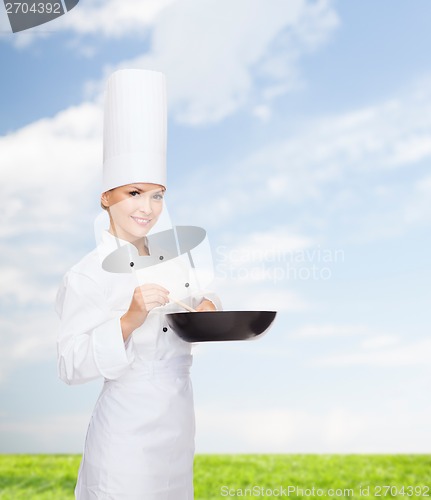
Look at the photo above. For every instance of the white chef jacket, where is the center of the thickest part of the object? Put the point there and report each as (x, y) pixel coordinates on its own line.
(90, 302)
(140, 440)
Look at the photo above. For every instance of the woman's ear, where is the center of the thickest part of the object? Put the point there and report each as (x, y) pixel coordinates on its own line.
(104, 199)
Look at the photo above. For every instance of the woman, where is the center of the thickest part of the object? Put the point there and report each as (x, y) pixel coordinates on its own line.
(140, 440)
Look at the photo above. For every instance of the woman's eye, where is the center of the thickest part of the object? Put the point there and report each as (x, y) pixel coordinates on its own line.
(158, 196)
(134, 193)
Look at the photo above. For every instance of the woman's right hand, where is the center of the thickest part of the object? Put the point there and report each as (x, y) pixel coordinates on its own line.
(145, 298)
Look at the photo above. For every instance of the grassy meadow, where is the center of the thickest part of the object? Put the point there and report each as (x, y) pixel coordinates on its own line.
(52, 477)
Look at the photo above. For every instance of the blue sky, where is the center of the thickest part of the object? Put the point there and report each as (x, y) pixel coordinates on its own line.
(300, 138)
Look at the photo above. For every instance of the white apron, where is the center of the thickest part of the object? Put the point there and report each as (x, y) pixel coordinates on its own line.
(140, 440)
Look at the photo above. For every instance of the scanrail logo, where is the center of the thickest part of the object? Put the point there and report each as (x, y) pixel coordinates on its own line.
(30, 13)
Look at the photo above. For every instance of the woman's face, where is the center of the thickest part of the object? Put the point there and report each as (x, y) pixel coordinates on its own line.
(134, 209)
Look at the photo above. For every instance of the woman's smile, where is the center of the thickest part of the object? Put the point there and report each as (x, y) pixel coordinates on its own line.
(142, 221)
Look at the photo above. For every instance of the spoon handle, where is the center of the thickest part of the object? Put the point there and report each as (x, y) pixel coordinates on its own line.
(182, 304)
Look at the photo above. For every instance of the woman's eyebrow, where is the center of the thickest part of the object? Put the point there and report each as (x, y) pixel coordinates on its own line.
(149, 190)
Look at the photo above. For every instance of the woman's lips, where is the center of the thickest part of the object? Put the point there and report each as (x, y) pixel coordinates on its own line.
(142, 221)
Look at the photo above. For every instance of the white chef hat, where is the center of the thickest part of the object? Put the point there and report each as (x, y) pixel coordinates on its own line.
(135, 128)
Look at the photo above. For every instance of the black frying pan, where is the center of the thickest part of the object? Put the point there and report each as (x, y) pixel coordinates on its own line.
(209, 326)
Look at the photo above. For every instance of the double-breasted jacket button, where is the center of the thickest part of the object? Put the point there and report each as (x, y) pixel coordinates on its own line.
(132, 264)
(161, 257)
(165, 329)
(186, 285)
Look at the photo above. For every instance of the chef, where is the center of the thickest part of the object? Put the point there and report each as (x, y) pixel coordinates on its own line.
(112, 305)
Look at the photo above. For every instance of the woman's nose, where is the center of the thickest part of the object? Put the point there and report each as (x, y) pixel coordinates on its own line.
(145, 205)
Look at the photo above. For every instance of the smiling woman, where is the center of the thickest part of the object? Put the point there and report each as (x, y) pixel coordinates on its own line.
(140, 440)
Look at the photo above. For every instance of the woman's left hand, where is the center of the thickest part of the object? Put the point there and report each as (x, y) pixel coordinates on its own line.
(206, 305)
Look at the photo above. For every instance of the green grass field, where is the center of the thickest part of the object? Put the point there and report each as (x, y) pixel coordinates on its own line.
(244, 476)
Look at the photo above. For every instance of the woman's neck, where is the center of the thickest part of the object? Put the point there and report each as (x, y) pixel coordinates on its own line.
(141, 243)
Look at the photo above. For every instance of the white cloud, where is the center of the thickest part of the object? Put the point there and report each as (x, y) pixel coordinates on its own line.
(333, 148)
(331, 330)
(223, 48)
(27, 336)
(411, 150)
(46, 167)
(380, 341)
(47, 148)
(262, 112)
(25, 151)
(113, 18)
(334, 170)
(339, 430)
(390, 354)
(20, 287)
(102, 18)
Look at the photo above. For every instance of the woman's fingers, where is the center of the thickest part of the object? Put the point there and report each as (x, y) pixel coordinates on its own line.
(206, 305)
(158, 299)
(152, 295)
